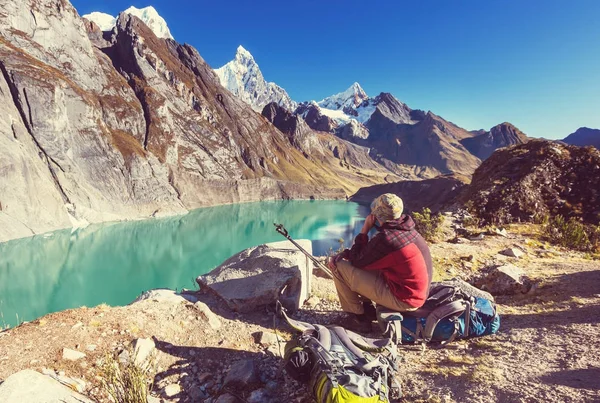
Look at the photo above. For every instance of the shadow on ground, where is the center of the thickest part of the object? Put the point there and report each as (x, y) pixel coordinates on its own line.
(576, 378)
(210, 363)
(575, 315)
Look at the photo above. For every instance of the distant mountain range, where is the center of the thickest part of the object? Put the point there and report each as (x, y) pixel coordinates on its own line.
(111, 119)
(584, 137)
(411, 143)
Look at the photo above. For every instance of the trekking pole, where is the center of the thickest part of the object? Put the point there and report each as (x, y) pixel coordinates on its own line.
(281, 229)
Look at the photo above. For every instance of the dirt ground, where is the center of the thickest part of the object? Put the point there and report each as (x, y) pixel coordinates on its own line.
(547, 348)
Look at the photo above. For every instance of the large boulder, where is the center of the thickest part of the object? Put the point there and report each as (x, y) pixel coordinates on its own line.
(504, 280)
(32, 387)
(261, 275)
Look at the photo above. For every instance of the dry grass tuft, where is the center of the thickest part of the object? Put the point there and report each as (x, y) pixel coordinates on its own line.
(125, 382)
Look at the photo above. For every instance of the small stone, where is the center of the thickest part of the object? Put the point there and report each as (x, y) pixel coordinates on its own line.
(227, 398)
(124, 356)
(501, 232)
(34, 362)
(265, 338)
(72, 355)
(242, 375)
(196, 393)
(142, 350)
(459, 240)
(512, 252)
(172, 390)
(91, 347)
(77, 325)
(258, 396)
(479, 237)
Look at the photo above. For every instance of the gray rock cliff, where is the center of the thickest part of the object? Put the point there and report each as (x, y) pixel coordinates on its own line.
(125, 125)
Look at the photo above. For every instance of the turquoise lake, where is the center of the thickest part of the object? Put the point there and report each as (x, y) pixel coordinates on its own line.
(114, 262)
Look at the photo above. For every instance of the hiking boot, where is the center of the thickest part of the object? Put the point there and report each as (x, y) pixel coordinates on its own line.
(369, 310)
(356, 323)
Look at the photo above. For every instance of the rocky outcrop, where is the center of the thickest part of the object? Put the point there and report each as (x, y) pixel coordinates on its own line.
(584, 136)
(503, 280)
(534, 180)
(502, 135)
(259, 276)
(434, 194)
(315, 119)
(31, 386)
(300, 135)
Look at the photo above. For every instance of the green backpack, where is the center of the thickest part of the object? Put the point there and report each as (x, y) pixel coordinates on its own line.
(341, 366)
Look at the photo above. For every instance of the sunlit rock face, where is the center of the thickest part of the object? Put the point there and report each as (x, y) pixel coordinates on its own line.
(98, 126)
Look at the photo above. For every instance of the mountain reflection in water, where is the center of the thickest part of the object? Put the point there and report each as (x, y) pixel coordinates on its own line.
(114, 262)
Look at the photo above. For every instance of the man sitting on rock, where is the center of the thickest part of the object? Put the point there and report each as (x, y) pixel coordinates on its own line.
(393, 268)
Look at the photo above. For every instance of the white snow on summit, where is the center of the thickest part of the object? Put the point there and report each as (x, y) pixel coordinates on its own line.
(243, 78)
(148, 15)
(351, 98)
(106, 22)
(155, 22)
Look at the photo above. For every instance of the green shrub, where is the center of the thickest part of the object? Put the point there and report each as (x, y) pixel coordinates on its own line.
(428, 225)
(572, 233)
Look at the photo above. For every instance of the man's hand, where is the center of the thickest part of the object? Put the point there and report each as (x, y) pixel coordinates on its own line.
(332, 263)
(369, 223)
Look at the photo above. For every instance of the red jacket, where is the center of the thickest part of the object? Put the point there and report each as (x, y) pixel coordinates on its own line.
(401, 254)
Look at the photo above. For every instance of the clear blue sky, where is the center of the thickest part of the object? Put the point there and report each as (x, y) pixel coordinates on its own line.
(534, 63)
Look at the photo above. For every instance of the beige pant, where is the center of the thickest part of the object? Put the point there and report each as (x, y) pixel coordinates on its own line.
(352, 283)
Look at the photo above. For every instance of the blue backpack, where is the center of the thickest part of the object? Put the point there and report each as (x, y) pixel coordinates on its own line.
(454, 310)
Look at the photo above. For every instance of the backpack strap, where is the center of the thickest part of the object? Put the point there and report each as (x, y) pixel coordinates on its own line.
(441, 312)
(324, 337)
(369, 344)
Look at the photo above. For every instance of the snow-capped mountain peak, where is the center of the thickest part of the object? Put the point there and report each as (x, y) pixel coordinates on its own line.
(148, 15)
(243, 56)
(351, 98)
(106, 22)
(243, 78)
(155, 22)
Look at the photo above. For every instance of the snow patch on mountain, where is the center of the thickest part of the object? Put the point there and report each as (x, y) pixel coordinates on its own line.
(243, 78)
(339, 116)
(148, 15)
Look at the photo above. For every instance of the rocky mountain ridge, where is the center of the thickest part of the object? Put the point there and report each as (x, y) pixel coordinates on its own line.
(534, 181)
(411, 143)
(485, 143)
(122, 125)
